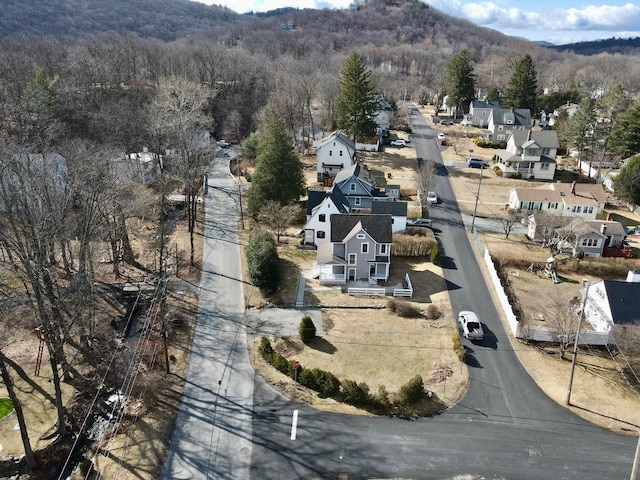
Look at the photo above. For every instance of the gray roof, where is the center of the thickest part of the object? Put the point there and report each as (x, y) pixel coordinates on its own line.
(397, 209)
(378, 226)
(624, 301)
(544, 138)
(316, 197)
(337, 135)
(482, 104)
(613, 227)
(510, 116)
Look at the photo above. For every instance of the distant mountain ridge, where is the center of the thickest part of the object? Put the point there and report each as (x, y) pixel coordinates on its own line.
(594, 47)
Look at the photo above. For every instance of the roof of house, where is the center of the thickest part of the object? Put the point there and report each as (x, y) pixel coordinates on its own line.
(397, 209)
(337, 135)
(325, 255)
(346, 173)
(512, 116)
(377, 226)
(392, 186)
(613, 227)
(585, 193)
(543, 138)
(316, 197)
(580, 229)
(482, 104)
(624, 300)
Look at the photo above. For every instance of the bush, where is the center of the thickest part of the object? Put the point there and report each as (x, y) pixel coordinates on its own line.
(265, 349)
(411, 392)
(262, 262)
(282, 364)
(325, 383)
(307, 329)
(434, 255)
(432, 312)
(502, 145)
(406, 309)
(392, 305)
(497, 170)
(457, 346)
(381, 399)
(414, 243)
(516, 175)
(355, 394)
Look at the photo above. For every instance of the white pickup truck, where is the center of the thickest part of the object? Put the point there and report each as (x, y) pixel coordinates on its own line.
(470, 325)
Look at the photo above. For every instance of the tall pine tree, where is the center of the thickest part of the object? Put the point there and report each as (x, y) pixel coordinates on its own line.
(461, 82)
(523, 86)
(356, 100)
(278, 175)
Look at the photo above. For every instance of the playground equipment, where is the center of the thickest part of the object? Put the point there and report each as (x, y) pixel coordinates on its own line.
(550, 269)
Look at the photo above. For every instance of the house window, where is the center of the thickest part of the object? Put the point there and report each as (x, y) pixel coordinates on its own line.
(383, 249)
(352, 259)
(590, 242)
(322, 217)
(545, 166)
(576, 209)
(587, 209)
(500, 137)
(365, 247)
(357, 201)
(352, 187)
(340, 152)
(546, 151)
(360, 236)
(330, 153)
(500, 128)
(600, 293)
(552, 206)
(320, 234)
(536, 206)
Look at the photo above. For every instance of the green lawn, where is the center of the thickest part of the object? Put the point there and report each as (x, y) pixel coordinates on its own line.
(6, 407)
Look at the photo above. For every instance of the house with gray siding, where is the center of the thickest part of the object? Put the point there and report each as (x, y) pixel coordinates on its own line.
(361, 192)
(360, 249)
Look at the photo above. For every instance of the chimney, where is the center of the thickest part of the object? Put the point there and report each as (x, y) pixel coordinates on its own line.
(529, 135)
(633, 276)
(573, 187)
(603, 229)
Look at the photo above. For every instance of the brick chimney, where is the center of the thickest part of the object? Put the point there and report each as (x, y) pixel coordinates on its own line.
(603, 229)
(573, 187)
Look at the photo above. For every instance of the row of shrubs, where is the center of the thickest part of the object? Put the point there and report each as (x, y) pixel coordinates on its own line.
(327, 384)
(488, 144)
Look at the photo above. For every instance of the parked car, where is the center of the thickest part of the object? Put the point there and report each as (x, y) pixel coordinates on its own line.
(399, 143)
(432, 198)
(444, 121)
(223, 143)
(419, 222)
(477, 163)
(442, 141)
(441, 135)
(470, 325)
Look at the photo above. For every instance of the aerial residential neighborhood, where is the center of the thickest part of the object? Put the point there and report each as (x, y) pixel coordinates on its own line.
(356, 242)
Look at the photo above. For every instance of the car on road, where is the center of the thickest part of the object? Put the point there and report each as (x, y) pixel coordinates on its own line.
(477, 163)
(470, 325)
(444, 121)
(399, 143)
(432, 198)
(419, 222)
(441, 135)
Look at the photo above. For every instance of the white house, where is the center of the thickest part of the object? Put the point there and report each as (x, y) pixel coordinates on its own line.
(504, 121)
(320, 206)
(531, 153)
(334, 153)
(585, 200)
(570, 108)
(612, 302)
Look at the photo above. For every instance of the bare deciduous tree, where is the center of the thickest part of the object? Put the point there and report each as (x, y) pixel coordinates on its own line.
(278, 217)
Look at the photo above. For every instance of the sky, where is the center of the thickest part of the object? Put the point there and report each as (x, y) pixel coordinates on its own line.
(555, 21)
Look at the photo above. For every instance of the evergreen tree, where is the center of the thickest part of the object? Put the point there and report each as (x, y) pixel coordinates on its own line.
(580, 128)
(356, 100)
(625, 133)
(523, 86)
(614, 103)
(493, 95)
(262, 262)
(278, 175)
(627, 183)
(461, 82)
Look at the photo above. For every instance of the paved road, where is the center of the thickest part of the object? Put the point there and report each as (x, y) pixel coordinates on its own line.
(213, 433)
(233, 425)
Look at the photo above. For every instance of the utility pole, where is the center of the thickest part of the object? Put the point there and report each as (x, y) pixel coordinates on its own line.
(575, 345)
(475, 209)
(634, 469)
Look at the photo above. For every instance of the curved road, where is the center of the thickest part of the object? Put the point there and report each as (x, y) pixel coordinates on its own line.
(233, 425)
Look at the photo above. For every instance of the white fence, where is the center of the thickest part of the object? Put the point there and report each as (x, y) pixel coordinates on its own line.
(404, 292)
(537, 333)
(368, 292)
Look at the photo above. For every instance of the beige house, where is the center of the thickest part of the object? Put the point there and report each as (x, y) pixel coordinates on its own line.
(583, 200)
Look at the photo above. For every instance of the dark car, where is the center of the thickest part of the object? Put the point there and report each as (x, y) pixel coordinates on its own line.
(419, 222)
(445, 122)
(477, 163)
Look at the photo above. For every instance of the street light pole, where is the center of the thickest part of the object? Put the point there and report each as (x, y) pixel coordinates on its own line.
(475, 209)
(575, 345)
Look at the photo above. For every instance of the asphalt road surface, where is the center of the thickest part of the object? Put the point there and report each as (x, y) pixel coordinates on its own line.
(233, 425)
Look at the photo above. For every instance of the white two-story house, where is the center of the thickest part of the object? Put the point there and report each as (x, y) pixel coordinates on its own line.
(584, 200)
(334, 153)
(531, 153)
(612, 302)
(504, 121)
(320, 206)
